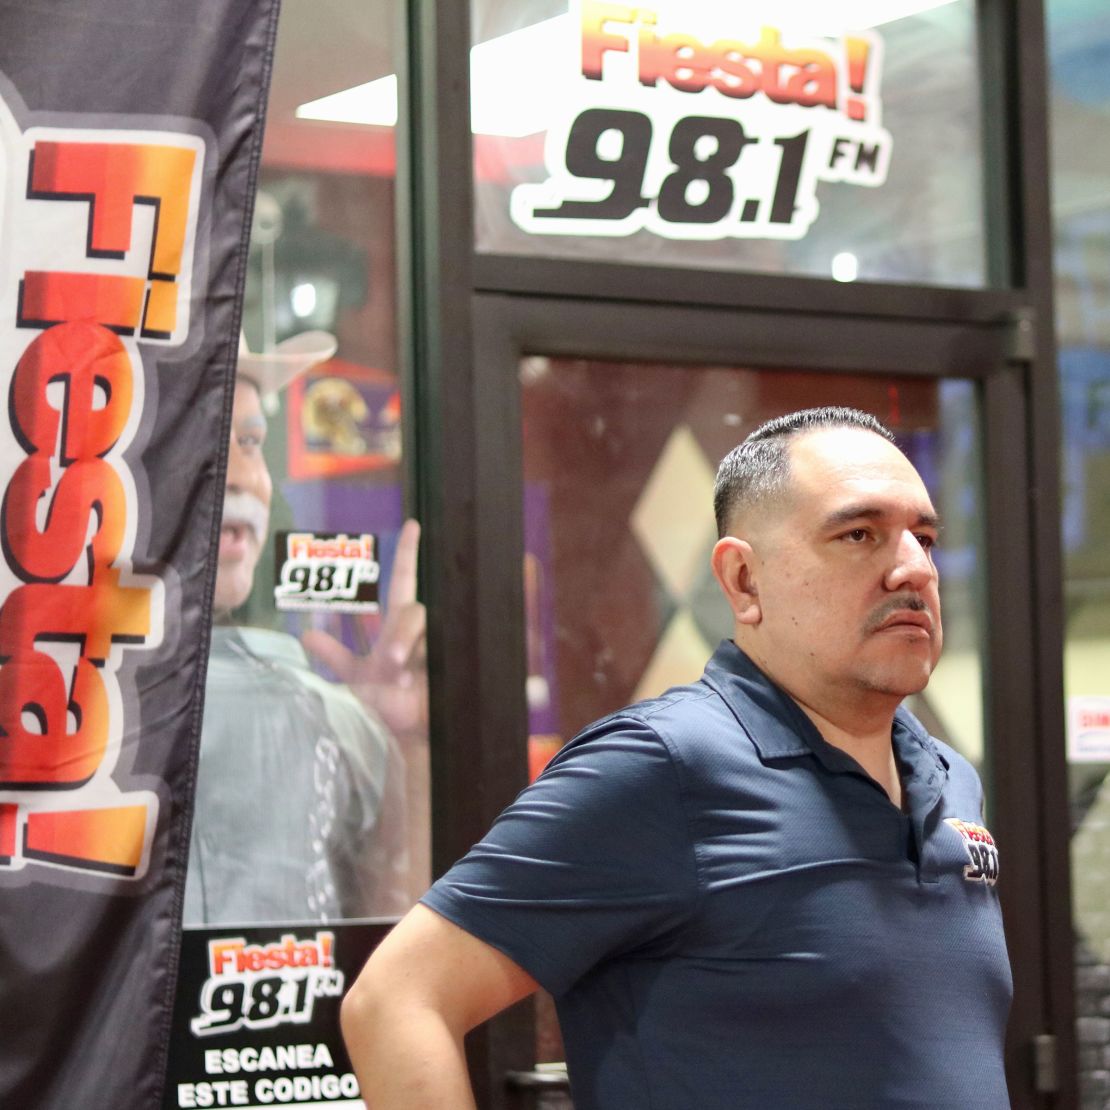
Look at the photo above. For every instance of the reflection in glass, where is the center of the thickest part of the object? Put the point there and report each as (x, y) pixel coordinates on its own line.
(1079, 41)
(311, 798)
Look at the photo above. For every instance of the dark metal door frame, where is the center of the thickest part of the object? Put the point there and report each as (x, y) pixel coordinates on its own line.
(467, 320)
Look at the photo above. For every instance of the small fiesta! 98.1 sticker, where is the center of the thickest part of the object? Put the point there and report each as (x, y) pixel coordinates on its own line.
(326, 570)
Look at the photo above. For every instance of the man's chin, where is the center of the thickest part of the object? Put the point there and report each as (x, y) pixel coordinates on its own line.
(230, 595)
(899, 676)
(901, 682)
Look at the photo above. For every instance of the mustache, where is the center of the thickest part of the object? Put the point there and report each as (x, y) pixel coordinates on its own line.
(244, 508)
(899, 604)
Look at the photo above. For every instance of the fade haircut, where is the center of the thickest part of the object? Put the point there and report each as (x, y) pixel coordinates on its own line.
(760, 466)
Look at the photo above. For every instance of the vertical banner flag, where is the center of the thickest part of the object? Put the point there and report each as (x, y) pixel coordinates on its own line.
(130, 133)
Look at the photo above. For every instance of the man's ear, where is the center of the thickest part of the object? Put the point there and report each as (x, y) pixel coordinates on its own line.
(733, 563)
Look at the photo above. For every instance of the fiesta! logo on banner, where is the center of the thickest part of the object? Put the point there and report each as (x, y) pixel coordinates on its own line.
(100, 229)
(258, 986)
(691, 125)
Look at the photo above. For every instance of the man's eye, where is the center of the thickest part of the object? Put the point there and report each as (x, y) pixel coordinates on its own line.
(250, 442)
(927, 542)
(856, 535)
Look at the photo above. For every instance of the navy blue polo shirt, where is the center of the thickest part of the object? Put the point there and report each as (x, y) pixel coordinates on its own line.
(730, 913)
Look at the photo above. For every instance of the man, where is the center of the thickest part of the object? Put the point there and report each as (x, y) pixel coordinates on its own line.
(301, 810)
(768, 889)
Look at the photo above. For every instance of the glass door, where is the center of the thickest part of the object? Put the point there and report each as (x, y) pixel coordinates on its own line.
(595, 522)
(620, 601)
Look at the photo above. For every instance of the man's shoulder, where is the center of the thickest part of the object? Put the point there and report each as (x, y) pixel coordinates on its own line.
(675, 724)
(678, 701)
(732, 712)
(676, 707)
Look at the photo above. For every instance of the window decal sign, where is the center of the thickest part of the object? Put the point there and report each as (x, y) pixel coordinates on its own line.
(253, 1013)
(326, 570)
(128, 149)
(259, 986)
(692, 129)
(1088, 729)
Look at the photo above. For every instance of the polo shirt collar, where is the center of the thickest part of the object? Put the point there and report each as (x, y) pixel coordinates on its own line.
(773, 720)
(779, 728)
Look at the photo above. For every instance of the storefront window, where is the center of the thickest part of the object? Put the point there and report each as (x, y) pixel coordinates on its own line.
(315, 457)
(1079, 34)
(311, 813)
(833, 140)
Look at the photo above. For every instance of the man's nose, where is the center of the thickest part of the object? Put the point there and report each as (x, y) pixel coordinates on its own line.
(238, 466)
(912, 568)
(234, 477)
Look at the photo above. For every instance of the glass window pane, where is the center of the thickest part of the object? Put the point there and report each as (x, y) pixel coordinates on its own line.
(834, 140)
(619, 465)
(1079, 39)
(310, 830)
(312, 784)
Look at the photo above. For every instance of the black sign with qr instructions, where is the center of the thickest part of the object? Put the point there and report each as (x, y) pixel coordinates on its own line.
(257, 1017)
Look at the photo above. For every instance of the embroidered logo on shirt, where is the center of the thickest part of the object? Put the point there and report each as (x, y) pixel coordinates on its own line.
(981, 850)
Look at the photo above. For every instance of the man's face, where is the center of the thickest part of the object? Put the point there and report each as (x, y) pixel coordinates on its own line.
(847, 593)
(247, 497)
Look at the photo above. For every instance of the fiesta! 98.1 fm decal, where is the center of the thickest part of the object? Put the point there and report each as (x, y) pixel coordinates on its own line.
(686, 124)
(259, 986)
(256, 1020)
(326, 570)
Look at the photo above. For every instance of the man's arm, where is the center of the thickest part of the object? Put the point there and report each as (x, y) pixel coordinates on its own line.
(425, 986)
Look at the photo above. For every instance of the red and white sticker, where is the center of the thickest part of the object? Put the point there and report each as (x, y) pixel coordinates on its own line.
(694, 130)
(327, 570)
(981, 850)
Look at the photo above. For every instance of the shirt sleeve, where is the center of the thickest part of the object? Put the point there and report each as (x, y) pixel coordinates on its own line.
(368, 846)
(593, 860)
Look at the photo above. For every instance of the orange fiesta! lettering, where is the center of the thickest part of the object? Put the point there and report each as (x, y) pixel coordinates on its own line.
(65, 510)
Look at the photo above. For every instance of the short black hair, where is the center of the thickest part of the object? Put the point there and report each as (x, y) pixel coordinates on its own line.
(760, 466)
